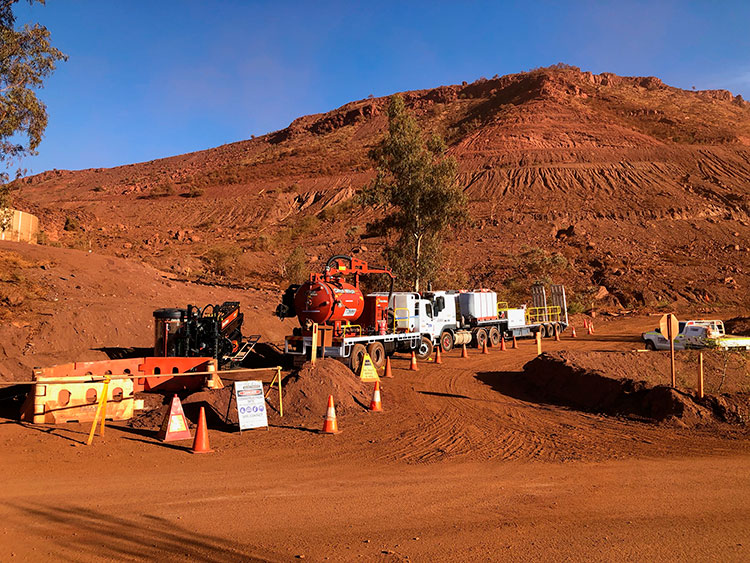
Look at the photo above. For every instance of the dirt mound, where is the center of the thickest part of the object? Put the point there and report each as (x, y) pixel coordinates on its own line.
(557, 378)
(306, 392)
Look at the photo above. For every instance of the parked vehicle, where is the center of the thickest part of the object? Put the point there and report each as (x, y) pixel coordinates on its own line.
(697, 334)
(350, 324)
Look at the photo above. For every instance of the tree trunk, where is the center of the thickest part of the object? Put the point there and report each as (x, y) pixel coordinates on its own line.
(417, 252)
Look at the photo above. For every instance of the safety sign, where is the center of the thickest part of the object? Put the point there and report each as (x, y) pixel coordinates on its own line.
(251, 404)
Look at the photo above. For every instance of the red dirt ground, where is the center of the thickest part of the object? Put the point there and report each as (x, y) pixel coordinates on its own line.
(454, 468)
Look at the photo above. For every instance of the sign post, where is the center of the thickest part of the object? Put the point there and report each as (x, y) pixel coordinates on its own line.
(670, 327)
(251, 404)
(314, 344)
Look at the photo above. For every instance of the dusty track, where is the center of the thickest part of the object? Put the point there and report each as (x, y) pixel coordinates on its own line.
(459, 460)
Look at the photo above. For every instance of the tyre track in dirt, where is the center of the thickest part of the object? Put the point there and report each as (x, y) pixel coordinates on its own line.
(455, 414)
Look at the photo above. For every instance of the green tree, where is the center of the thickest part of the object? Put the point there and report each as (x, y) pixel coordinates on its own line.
(26, 58)
(416, 185)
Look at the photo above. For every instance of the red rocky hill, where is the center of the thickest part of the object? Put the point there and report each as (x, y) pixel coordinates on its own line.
(632, 192)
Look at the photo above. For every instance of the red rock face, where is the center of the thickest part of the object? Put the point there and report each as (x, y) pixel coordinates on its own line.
(651, 181)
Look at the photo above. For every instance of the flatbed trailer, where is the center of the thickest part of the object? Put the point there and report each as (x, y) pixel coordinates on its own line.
(351, 349)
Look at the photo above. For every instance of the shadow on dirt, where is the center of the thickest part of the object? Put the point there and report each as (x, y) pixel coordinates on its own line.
(81, 532)
(11, 400)
(437, 394)
(554, 380)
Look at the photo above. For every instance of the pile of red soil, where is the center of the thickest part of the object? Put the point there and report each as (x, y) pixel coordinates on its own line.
(305, 397)
(155, 409)
(306, 392)
(572, 380)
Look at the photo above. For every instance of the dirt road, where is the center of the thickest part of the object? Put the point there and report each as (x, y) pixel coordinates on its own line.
(460, 466)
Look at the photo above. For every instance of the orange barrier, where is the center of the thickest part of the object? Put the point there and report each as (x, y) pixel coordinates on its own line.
(70, 392)
(75, 400)
(167, 365)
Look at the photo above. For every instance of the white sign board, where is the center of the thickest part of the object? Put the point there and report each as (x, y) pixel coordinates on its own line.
(251, 405)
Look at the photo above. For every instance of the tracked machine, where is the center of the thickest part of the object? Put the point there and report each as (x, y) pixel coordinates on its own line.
(212, 331)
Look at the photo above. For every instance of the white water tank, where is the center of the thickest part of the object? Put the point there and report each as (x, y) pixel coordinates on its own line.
(481, 305)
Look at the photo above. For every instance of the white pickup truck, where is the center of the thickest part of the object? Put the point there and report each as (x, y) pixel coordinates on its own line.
(697, 334)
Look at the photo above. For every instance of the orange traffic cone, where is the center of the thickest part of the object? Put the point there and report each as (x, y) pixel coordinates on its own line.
(375, 404)
(591, 326)
(484, 347)
(589, 329)
(585, 324)
(502, 343)
(438, 355)
(330, 426)
(573, 332)
(200, 444)
(557, 334)
(388, 372)
(515, 344)
(413, 366)
(463, 352)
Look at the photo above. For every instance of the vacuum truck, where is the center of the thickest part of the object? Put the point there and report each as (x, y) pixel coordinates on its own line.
(350, 324)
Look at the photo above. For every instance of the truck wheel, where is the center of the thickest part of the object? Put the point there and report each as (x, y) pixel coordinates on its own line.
(480, 337)
(446, 341)
(650, 345)
(549, 331)
(425, 348)
(494, 336)
(377, 354)
(356, 357)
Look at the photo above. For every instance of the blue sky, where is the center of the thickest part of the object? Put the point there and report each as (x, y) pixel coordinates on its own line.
(149, 79)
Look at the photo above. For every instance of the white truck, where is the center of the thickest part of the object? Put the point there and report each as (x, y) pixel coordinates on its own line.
(697, 334)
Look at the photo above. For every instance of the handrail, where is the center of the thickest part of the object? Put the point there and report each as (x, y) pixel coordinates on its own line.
(349, 325)
(551, 313)
(396, 319)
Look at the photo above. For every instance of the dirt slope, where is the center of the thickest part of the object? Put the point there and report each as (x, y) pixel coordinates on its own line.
(600, 181)
(64, 305)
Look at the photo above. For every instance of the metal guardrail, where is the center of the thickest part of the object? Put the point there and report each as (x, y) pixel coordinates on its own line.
(536, 315)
